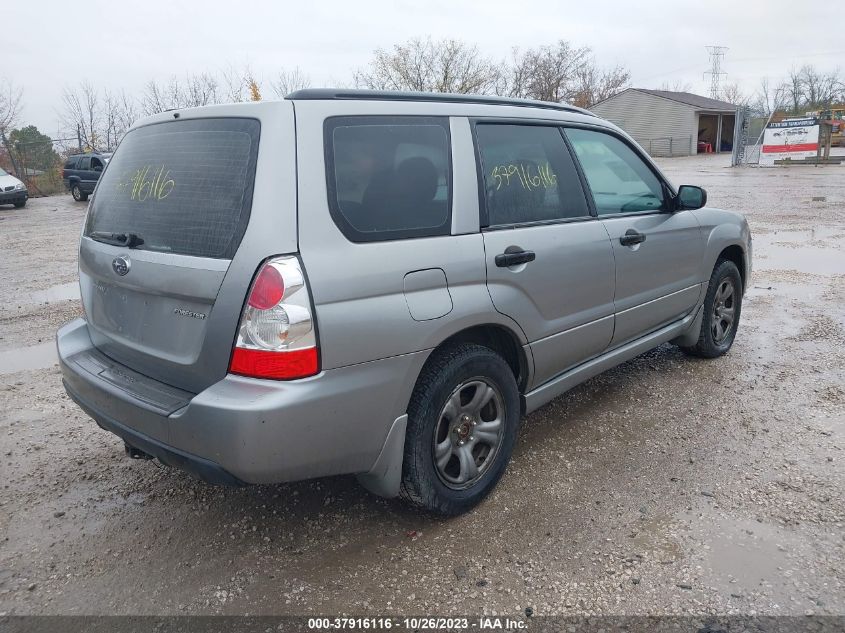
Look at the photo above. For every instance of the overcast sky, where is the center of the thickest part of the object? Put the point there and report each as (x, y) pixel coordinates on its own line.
(120, 45)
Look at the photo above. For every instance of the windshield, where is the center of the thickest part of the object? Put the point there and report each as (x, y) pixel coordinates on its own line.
(181, 187)
(3, 172)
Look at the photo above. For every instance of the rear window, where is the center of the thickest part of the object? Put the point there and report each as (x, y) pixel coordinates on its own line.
(183, 187)
(389, 177)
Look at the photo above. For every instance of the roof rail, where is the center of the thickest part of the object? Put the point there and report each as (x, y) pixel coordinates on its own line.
(310, 94)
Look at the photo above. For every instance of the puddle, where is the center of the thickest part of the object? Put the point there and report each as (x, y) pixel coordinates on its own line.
(26, 358)
(813, 251)
(62, 292)
(813, 261)
(747, 553)
(743, 556)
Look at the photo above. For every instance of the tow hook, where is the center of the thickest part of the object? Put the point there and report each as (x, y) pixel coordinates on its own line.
(136, 453)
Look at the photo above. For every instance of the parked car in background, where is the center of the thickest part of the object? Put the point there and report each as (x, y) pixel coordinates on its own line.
(381, 284)
(82, 171)
(12, 190)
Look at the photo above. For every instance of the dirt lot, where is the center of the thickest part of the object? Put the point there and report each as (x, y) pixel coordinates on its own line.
(667, 485)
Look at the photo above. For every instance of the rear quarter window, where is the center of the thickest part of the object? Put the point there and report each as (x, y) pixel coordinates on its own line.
(389, 177)
(183, 187)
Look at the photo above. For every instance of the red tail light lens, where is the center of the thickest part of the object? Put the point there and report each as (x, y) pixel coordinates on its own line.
(278, 365)
(276, 337)
(268, 289)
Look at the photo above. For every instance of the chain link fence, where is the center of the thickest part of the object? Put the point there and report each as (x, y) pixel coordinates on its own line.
(748, 137)
(668, 146)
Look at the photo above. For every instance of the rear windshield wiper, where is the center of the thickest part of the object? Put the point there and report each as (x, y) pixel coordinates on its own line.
(128, 240)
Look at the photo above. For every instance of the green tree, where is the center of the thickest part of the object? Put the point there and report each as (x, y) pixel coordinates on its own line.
(33, 149)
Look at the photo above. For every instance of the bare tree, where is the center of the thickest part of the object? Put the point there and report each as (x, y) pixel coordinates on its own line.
(81, 114)
(235, 84)
(430, 66)
(732, 93)
(10, 108)
(677, 85)
(289, 81)
(594, 85)
(793, 89)
(194, 91)
(98, 118)
(119, 112)
(820, 88)
(10, 104)
(768, 98)
(547, 73)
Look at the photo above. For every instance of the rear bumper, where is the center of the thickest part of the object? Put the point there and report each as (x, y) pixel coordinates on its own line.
(242, 430)
(202, 468)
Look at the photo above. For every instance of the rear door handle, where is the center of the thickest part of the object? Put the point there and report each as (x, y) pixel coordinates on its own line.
(632, 237)
(505, 260)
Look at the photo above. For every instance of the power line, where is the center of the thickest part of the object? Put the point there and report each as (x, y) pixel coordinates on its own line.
(716, 72)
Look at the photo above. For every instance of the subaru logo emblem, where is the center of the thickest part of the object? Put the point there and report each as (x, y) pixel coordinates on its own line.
(121, 265)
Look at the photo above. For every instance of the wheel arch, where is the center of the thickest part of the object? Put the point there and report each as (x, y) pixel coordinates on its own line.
(736, 254)
(501, 340)
(384, 478)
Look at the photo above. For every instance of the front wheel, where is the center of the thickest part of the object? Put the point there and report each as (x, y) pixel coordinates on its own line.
(463, 421)
(20, 205)
(722, 307)
(78, 195)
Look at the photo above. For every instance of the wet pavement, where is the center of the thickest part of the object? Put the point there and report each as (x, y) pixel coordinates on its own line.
(668, 485)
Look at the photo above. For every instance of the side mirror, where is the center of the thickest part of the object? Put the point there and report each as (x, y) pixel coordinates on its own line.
(690, 197)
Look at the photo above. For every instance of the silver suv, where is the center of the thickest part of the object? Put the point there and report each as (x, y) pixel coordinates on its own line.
(380, 284)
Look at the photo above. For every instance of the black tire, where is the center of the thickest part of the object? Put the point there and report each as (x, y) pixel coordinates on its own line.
(444, 375)
(77, 193)
(20, 205)
(709, 344)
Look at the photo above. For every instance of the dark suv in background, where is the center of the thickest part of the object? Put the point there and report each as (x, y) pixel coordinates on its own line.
(81, 173)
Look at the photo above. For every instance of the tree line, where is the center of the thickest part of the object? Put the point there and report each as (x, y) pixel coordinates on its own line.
(561, 72)
(96, 118)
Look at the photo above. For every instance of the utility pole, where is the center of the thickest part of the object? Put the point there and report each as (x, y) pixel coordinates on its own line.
(716, 72)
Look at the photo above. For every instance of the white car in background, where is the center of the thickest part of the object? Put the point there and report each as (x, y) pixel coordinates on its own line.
(12, 190)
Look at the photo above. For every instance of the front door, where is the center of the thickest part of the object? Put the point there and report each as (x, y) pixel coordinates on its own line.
(549, 262)
(658, 252)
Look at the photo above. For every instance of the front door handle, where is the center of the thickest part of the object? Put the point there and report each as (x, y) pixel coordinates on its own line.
(504, 260)
(632, 237)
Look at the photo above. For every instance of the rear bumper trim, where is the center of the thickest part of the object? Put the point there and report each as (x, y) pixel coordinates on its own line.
(205, 469)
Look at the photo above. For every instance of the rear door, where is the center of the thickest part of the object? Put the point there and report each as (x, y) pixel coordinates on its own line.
(549, 261)
(658, 252)
(83, 170)
(185, 213)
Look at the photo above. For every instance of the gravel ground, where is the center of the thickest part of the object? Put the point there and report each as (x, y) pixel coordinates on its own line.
(665, 486)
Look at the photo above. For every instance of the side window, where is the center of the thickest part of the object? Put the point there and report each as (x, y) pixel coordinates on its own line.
(619, 179)
(84, 163)
(528, 175)
(71, 163)
(95, 163)
(389, 177)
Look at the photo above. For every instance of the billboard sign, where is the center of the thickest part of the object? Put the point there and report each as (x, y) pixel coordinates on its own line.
(795, 139)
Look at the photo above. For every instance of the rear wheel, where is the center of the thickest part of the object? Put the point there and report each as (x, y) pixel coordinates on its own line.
(463, 421)
(722, 307)
(78, 195)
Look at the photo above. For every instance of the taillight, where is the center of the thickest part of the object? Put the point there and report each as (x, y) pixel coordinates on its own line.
(276, 337)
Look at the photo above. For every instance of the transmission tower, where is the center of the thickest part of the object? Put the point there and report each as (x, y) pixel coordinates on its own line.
(716, 72)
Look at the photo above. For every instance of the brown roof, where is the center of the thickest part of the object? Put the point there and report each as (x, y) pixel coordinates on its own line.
(696, 101)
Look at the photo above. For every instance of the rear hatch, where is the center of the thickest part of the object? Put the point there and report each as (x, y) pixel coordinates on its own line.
(181, 219)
